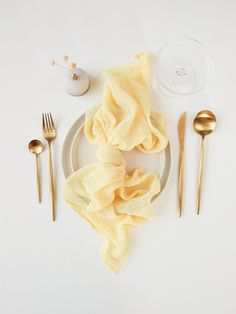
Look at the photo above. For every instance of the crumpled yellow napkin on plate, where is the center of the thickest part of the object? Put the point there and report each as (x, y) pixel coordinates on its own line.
(103, 193)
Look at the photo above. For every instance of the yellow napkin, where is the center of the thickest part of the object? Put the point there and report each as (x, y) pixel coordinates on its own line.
(103, 193)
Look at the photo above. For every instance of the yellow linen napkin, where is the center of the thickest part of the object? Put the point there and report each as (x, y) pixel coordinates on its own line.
(107, 197)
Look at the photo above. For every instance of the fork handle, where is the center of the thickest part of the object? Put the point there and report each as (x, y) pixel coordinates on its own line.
(52, 189)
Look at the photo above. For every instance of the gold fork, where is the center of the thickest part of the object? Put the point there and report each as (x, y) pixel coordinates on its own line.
(49, 133)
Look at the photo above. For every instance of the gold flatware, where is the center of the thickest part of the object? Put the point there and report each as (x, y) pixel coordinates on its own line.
(204, 124)
(49, 133)
(181, 134)
(36, 147)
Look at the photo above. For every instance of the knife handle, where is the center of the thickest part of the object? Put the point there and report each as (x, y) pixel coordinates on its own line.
(180, 183)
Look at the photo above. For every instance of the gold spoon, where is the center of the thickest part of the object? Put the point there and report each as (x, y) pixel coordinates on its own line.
(204, 123)
(36, 147)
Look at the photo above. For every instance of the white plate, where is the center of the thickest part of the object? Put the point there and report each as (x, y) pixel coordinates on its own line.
(78, 152)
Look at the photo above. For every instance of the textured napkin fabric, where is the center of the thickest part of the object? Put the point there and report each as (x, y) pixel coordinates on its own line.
(103, 193)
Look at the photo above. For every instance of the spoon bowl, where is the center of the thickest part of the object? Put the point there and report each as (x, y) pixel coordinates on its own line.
(204, 122)
(35, 147)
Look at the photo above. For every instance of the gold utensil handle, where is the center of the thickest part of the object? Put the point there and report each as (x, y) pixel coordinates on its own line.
(180, 184)
(38, 178)
(52, 190)
(200, 175)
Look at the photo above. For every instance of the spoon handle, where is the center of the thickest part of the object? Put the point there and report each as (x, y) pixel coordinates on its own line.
(38, 178)
(200, 175)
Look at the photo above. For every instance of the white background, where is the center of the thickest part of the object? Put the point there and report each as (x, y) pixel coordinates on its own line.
(177, 266)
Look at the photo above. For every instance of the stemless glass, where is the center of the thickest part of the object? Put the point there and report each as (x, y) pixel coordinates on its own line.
(183, 66)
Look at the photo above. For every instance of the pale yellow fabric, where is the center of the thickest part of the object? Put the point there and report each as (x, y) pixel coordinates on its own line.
(103, 193)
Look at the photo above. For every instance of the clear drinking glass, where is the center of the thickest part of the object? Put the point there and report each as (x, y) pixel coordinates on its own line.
(183, 66)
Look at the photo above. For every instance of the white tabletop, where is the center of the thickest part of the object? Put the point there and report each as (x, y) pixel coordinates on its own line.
(177, 266)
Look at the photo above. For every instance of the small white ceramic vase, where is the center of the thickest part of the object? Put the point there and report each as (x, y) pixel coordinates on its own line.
(76, 82)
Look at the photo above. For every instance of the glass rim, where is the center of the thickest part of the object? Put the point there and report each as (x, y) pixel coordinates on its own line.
(207, 56)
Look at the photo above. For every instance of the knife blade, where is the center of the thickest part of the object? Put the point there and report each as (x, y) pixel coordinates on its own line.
(181, 135)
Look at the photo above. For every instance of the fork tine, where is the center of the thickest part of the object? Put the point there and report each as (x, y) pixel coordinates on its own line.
(48, 123)
(52, 123)
(43, 121)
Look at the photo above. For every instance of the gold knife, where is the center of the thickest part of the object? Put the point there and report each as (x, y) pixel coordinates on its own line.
(181, 133)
